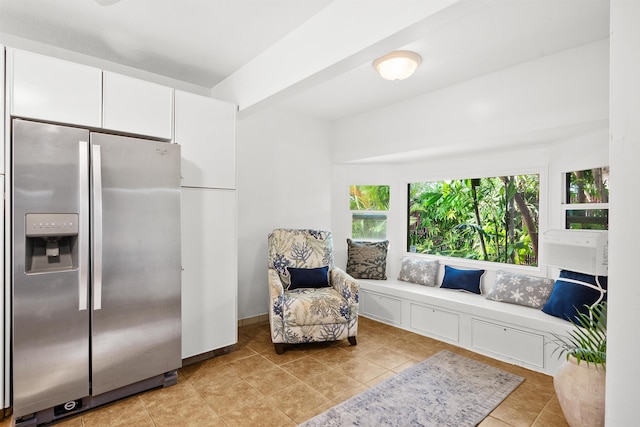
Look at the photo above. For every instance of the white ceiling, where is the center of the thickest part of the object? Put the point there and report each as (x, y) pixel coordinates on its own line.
(497, 36)
(198, 41)
(204, 42)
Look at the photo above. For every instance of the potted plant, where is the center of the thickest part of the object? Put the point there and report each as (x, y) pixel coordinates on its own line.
(580, 382)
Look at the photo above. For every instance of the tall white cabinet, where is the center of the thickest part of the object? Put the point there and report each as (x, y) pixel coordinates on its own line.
(209, 276)
(5, 368)
(205, 129)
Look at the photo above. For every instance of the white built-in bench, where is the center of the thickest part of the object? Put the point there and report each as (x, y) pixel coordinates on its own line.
(512, 333)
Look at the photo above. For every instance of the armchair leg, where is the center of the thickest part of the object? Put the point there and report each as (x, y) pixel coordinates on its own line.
(279, 348)
(352, 340)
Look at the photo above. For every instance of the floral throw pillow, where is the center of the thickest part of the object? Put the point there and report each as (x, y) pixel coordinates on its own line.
(367, 260)
(519, 289)
(418, 270)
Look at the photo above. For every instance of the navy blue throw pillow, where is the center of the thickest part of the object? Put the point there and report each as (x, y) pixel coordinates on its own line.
(568, 296)
(463, 280)
(309, 277)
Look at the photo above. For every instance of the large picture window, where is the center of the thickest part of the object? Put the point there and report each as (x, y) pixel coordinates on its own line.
(491, 219)
(369, 205)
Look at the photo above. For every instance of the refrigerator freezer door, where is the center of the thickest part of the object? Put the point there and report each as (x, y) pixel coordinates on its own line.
(136, 326)
(50, 328)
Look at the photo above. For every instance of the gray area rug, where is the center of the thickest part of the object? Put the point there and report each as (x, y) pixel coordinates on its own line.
(444, 390)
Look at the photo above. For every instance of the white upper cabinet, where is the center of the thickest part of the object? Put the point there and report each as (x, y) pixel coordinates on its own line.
(54, 90)
(136, 106)
(206, 129)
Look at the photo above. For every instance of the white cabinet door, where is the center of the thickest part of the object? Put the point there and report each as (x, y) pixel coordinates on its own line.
(435, 322)
(381, 307)
(5, 356)
(136, 106)
(506, 341)
(206, 129)
(209, 277)
(54, 90)
(2, 104)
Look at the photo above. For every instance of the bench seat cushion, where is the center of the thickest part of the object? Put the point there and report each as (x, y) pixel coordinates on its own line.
(466, 302)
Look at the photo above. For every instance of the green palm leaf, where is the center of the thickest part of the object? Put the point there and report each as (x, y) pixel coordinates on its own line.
(588, 341)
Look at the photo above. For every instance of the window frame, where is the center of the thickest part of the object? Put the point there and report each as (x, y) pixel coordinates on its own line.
(542, 170)
(369, 212)
(566, 207)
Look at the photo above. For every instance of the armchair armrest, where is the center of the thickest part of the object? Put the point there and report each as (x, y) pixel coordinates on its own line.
(346, 285)
(276, 300)
(276, 289)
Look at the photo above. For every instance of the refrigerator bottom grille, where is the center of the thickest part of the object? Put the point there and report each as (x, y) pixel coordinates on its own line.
(67, 408)
(75, 407)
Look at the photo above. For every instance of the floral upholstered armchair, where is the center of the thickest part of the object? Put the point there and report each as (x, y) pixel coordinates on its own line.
(310, 299)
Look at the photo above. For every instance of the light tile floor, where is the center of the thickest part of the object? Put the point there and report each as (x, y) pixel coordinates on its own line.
(253, 386)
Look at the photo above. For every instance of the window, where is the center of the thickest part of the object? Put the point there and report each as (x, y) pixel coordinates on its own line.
(586, 199)
(491, 219)
(369, 205)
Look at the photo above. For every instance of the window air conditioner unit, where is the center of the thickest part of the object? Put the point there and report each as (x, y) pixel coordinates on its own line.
(582, 251)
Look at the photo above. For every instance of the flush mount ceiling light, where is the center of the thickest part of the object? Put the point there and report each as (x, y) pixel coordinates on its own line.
(397, 65)
(106, 2)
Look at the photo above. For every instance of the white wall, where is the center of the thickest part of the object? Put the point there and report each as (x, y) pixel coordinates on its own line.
(557, 95)
(623, 346)
(284, 181)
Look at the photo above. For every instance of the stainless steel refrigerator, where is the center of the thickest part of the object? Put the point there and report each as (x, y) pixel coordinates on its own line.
(96, 268)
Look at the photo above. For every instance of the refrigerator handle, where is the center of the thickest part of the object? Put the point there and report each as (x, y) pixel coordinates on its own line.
(83, 226)
(96, 166)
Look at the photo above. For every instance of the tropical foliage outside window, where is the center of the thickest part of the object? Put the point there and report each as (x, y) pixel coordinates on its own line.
(369, 205)
(587, 199)
(491, 219)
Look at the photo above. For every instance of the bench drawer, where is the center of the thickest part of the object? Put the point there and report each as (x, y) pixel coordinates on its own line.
(381, 307)
(515, 344)
(435, 322)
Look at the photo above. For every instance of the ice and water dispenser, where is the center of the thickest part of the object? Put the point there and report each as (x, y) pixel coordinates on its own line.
(51, 242)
